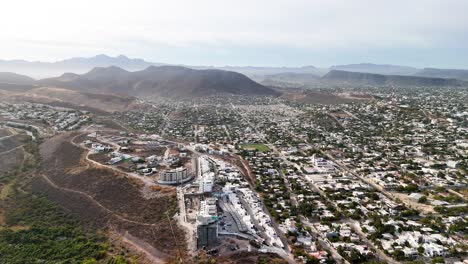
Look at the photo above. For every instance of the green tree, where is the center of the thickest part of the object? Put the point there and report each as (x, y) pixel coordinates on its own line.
(420, 250)
(438, 260)
(398, 255)
(423, 199)
(89, 261)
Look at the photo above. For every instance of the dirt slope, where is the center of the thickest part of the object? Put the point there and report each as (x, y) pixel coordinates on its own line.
(104, 199)
(98, 103)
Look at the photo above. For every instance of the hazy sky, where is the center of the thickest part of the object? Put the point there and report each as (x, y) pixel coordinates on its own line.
(240, 32)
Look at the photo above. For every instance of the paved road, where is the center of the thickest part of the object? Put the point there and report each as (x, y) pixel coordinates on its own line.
(380, 254)
(354, 224)
(273, 222)
(320, 236)
(293, 199)
(323, 241)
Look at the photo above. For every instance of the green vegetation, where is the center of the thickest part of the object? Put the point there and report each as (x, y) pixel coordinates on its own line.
(450, 198)
(451, 211)
(300, 252)
(459, 226)
(268, 259)
(438, 260)
(35, 230)
(352, 256)
(258, 147)
(423, 199)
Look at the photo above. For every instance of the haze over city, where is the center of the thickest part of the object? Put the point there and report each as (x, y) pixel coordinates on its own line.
(422, 33)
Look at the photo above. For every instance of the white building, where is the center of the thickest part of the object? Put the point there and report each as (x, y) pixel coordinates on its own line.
(208, 212)
(174, 176)
(206, 184)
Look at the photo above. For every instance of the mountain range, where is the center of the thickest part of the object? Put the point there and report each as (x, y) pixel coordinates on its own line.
(77, 65)
(138, 78)
(183, 82)
(359, 78)
(444, 73)
(109, 89)
(404, 70)
(165, 81)
(385, 69)
(80, 65)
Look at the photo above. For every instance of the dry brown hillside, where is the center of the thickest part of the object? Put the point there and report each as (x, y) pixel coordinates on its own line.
(166, 81)
(105, 199)
(73, 99)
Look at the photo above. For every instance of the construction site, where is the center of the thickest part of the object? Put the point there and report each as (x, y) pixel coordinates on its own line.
(222, 214)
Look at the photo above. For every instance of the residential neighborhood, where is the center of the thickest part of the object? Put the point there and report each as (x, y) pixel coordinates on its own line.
(348, 182)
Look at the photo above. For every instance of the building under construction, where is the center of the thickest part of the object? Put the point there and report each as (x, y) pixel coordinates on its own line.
(207, 228)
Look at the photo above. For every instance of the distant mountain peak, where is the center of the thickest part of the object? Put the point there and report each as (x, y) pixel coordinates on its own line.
(122, 57)
(69, 75)
(105, 57)
(101, 56)
(106, 70)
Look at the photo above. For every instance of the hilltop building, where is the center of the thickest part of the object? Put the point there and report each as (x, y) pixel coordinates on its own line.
(174, 176)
